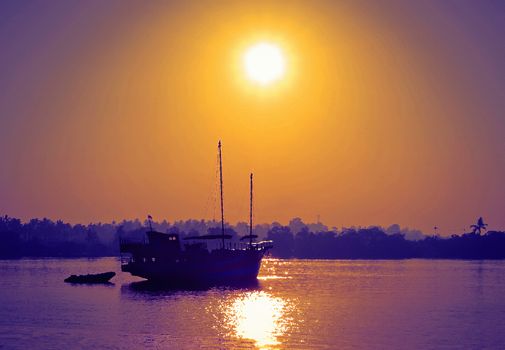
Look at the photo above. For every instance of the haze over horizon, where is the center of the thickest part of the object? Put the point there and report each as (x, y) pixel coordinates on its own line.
(388, 113)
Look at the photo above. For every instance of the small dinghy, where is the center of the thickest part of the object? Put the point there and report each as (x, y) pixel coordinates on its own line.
(91, 278)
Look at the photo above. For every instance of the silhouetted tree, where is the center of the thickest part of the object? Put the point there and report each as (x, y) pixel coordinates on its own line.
(44, 237)
(479, 226)
(283, 241)
(296, 225)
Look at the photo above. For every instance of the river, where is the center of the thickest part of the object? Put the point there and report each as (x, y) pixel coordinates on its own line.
(305, 304)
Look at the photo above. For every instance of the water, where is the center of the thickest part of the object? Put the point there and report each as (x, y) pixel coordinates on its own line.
(411, 304)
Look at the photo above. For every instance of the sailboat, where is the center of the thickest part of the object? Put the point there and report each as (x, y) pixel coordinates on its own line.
(196, 260)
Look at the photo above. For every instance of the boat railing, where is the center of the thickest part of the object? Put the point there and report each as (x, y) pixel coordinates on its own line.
(130, 246)
(263, 245)
(215, 244)
(268, 244)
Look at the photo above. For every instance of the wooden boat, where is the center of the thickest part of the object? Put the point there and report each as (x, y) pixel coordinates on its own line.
(91, 278)
(166, 259)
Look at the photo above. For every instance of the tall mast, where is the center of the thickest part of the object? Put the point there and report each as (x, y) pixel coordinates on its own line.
(221, 188)
(251, 214)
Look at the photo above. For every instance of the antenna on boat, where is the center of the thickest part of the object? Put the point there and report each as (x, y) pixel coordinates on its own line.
(251, 213)
(221, 188)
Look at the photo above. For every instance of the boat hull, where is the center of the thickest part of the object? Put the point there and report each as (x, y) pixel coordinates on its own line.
(218, 267)
(92, 278)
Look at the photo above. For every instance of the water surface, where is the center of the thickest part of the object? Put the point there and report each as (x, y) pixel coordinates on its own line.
(332, 304)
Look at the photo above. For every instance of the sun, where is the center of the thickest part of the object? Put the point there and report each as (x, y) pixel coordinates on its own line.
(264, 63)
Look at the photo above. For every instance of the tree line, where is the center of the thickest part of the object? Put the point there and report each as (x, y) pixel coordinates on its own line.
(47, 238)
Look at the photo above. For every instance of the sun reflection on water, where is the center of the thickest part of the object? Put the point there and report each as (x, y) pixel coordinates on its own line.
(258, 316)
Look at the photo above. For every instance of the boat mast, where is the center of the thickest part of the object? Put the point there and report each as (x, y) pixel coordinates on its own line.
(221, 188)
(251, 214)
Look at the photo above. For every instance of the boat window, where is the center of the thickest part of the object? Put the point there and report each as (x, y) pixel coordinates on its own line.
(153, 259)
(144, 259)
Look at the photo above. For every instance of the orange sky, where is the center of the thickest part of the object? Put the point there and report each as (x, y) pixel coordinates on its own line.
(387, 114)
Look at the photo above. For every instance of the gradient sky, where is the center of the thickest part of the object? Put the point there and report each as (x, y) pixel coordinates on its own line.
(390, 112)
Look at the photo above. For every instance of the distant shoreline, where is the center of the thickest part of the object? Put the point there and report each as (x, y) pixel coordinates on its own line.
(48, 239)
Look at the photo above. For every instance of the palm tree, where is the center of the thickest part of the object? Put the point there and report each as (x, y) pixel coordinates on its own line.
(479, 226)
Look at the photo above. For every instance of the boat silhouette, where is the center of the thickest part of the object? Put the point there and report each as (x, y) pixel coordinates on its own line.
(212, 259)
(91, 278)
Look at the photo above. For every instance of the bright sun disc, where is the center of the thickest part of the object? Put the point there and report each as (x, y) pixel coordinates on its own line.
(264, 63)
